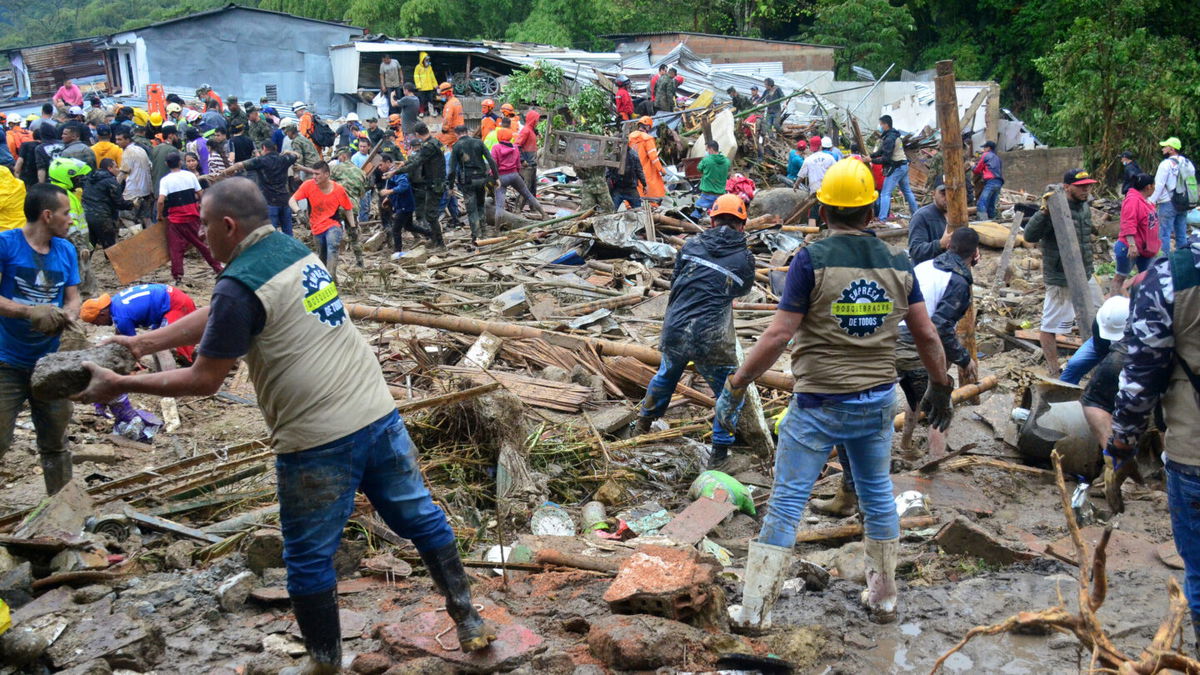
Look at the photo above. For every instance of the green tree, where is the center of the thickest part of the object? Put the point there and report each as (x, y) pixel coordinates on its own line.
(872, 33)
(544, 24)
(1112, 85)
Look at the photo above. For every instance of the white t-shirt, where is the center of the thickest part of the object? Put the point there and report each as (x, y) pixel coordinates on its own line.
(178, 181)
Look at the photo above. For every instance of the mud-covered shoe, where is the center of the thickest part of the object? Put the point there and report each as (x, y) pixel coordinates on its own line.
(880, 596)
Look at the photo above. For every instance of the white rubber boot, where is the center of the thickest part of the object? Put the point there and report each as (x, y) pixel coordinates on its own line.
(880, 597)
(766, 569)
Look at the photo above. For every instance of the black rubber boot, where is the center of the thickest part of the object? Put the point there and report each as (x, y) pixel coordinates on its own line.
(718, 457)
(446, 570)
(643, 425)
(56, 470)
(317, 616)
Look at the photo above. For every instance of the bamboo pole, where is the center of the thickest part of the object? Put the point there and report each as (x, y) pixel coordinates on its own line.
(579, 309)
(958, 396)
(647, 355)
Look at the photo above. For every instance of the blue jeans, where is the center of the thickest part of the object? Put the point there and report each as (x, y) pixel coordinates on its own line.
(703, 204)
(1082, 361)
(1126, 262)
(662, 387)
(631, 196)
(898, 178)
(1172, 220)
(987, 198)
(316, 497)
(807, 436)
(449, 202)
(364, 206)
(281, 218)
(1183, 501)
(327, 243)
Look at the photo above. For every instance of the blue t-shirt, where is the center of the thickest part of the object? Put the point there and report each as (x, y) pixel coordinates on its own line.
(141, 306)
(30, 278)
(795, 161)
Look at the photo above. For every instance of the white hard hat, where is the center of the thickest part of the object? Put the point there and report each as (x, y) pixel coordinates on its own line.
(826, 142)
(1111, 317)
(352, 117)
(288, 123)
(299, 105)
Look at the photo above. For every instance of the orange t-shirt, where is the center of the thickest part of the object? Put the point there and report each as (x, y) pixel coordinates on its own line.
(322, 206)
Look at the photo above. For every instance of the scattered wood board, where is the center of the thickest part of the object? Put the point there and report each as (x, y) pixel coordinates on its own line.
(633, 371)
(140, 254)
(1063, 340)
(561, 396)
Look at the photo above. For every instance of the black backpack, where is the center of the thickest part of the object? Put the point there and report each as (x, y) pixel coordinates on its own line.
(322, 135)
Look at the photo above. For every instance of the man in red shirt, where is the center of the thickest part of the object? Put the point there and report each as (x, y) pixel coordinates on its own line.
(624, 100)
(327, 202)
(179, 203)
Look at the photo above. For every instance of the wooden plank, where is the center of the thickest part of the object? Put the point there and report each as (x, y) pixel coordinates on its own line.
(968, 116)
(140, 254)
(1069, 254)
(952, 154)
(1006, 256)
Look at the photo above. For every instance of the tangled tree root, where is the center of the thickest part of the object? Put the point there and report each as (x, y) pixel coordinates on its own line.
(1163, 654)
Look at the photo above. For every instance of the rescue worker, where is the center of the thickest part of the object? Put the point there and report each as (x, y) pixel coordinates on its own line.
(425, 82)
(426, 169)
(714, 172)
(1162, 365)
(333, 423)
(103, 203)
(665, 91)
(889, 151)
(740, 103)
(145, 306)
(354, 182)
(842, 306)
(508, 166)
(70, 174)
(593, 189)
(526, 141)
(510, 117)
(990, 169)
(257, 128)
(452, 115)
(646, 148)
(472, 167)
(626, 186)
(624, 102)
(711, 270)
(1058, 314)
(39, 297)
(490, 119)
(307, 154)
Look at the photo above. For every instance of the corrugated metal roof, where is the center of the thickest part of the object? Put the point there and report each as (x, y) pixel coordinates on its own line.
(621, 36)
(232, 6)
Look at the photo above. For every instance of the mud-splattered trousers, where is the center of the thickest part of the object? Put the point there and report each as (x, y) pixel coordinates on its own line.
(662, 387)
(316, 498)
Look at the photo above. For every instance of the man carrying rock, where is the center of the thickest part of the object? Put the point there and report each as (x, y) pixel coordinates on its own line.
(334, 425)
(39, 297)
(842, 306)
(711, 270)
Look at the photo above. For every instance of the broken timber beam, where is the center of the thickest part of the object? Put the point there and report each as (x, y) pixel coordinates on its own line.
(1069, 253)
(647, 355)
(446, 399)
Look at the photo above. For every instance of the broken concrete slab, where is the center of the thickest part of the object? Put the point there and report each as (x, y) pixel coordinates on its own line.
(61, 374)
(99, 632)
(512, 302)
(961, 536)
(697, 520)
(416, 637)
(613, 419)
(59, 516)
(643, 642)
(675, 583)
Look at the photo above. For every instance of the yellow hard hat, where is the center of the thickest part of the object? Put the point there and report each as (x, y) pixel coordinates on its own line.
(848, 184)
(155, 119)
(140, 117)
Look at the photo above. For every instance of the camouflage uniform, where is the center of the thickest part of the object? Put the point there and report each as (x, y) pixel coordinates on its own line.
(593, 190)
(259, 132)
(354, 181)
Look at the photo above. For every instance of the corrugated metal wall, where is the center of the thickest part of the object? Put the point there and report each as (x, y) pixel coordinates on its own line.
(48, 65)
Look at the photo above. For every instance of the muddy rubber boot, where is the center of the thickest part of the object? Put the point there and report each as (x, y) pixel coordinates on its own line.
(317, 616)
(719, 456)
(642, 426)
(446, 570)
(766, 570)
(476, 232)
(844, 503)
(880, 596)
(56, 470)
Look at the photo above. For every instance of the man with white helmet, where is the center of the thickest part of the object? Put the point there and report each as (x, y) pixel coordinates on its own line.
(828, 146)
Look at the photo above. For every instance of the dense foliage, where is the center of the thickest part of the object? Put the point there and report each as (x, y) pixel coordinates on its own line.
(1106, 75)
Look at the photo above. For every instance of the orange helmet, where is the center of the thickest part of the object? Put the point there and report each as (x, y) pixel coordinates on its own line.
(648, 121)
(508, 109)
(488, 105)
(729, 204)
(394, 120)
(445, 87)
(504, 134)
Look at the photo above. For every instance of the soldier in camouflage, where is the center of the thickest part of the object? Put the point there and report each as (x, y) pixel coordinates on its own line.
(354, 181)
(593, 189)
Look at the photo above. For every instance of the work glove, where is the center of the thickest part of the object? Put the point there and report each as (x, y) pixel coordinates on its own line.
(729, 404)
(937, 406)
(48, 319)
(1119, 465)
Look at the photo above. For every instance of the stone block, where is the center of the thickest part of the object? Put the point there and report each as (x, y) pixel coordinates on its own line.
(413, 638)
(642, 642)
(61, 374)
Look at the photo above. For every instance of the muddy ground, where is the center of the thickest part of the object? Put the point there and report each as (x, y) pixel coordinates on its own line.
(175, 600)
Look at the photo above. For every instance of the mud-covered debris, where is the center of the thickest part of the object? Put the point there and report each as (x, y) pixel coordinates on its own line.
(961, 536)
(263, 549)
(59, 516)
(232, 592)
(644, 642)
(61, 374)
(675, 583)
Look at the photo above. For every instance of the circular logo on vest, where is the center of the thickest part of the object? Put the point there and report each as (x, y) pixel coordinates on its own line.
(862, 308)
(321, 296)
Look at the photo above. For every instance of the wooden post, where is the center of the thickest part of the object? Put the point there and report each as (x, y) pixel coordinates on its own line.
(992, 121)
(956, 186)
(706, 127)
(1006, 256)
(1069, 253)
